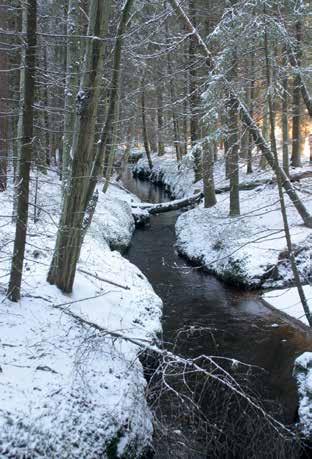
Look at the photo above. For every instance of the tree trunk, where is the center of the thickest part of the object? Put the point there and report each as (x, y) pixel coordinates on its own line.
(285, 126)
(144, 127)
(4, 96)
(14, 288)
(296, 122)
(105, 143)
(160, 120)
(210, 199)
(296, 109)
(252, 103)
(71, 228)
(71, 86)
(233, 152)
(194, 96)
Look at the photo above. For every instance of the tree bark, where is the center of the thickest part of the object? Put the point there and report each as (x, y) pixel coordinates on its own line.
(71, 228)
(160, 120)
(144, 127)
(210, 199)
(4, 96)
(296, 108)
(14, 288)
(285, 126)
(71, 85)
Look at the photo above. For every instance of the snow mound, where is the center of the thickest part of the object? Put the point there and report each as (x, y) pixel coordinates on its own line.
(249, 250)
(66, 389)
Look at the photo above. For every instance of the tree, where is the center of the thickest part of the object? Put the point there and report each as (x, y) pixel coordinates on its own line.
(28, 75)
(248, 120)
(71, 227)
(71, 84)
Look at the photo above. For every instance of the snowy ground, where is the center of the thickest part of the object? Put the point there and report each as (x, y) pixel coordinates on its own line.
(65, 390)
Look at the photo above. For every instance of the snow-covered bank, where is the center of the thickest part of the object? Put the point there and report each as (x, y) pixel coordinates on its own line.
(303, 375)
(66, 390)
(249, 250)
(288, 301)
(178, 181)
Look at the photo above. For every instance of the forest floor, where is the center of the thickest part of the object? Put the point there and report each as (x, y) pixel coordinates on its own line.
(250, 250)
(65, 389)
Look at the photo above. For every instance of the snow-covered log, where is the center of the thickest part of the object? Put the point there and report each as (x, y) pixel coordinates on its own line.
(172, 205)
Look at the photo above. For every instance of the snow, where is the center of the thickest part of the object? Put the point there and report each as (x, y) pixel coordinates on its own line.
(303, 374)
(177, 180)
(65, 389)
(288, 301)
(244, 250)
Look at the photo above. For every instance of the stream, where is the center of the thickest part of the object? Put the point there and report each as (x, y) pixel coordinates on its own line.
(235, 323)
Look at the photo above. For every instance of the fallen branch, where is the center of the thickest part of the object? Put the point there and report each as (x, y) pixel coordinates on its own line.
(218, 373)
(97, 277)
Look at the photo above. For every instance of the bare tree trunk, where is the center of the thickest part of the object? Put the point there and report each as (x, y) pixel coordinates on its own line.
(175, 122)
(265, 132)
(296, 105)
(14, 288)
(194, 96)
(106, 139)
(71, 86)
(233, 148)
(252, 102)
(285, 126)
(210, 199)
(144, 127)
(160, 120)
(4, 96)
(71, 228)
(296, 122)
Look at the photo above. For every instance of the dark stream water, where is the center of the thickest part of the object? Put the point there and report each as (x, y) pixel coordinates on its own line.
(243, 327)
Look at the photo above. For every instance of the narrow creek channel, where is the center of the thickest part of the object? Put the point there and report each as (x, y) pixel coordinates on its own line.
(243, 327)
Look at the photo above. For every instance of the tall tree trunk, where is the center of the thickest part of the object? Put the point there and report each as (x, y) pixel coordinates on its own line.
(252, 103)
(71, 228)
(160, 119)
(4, 96)
(144, 127)
(71, 85)
(208, 161)
(296, 105)
(105, 143)
(265, 132)
(14, 288)
(194, 98)
(233, 152)
(285, 137)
